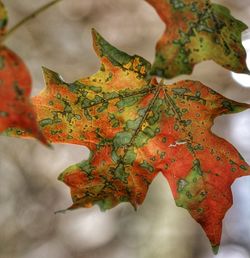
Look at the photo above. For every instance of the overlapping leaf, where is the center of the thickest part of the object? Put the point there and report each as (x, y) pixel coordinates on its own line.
(136, 128)
(197, 31)
(15, 87)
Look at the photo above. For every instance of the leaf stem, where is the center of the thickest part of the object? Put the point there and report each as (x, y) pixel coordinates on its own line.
(29, 17)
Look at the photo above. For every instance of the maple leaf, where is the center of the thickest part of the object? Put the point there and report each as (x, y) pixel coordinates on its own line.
(15, 88)
(197, 31)
(136, 128)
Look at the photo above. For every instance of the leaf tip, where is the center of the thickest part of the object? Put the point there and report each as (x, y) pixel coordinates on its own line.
(246, 70)
(237, 107)
(61, 177)
(215, 249)
(42, 139)
(119, 58)
(95, 35)
(98, 42)
(47, 71)
(49, 145)
(51, 76)
(94, 32)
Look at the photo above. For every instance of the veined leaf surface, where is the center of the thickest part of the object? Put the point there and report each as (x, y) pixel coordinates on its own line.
(197, 31)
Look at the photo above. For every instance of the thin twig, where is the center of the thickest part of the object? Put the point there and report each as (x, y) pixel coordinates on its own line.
(29, 17)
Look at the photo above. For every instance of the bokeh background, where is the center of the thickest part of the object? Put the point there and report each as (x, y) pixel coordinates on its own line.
(60, 39)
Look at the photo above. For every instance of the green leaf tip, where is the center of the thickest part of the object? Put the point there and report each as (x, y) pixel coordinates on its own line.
(223, 10)
(117, 57)
(51, 77)
(104, 48)
(215, 249)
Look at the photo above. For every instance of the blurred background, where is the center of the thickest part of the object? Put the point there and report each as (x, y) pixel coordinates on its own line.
(60, 39)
